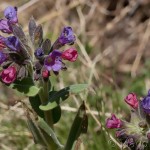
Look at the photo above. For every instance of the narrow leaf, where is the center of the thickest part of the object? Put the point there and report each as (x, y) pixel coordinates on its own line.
(32, 27)
(18, 32)
(37, 134)
(38, 36)
(56, 114)
(79, 126)
(46, 46)
(43, 125)
(35, 103)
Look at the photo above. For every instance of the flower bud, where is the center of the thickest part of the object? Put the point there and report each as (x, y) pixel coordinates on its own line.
(70, 54)
(39, 53)
(121, 135)
(13, 43)
(8, 75)
(130, 142)
(145, 104)
(3, 57)
(67, 36)
(10, 13)
(113, 122)
(131, 99)
(5, 26)
(45, 74)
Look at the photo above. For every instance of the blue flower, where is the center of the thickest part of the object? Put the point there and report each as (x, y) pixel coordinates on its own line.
(3, 57)
(13, 43)
(5, 26)
(67, 36)
(10, 13)
(39, 52)
(145, 104)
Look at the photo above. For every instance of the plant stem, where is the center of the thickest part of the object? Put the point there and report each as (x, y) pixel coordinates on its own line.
(44, 96)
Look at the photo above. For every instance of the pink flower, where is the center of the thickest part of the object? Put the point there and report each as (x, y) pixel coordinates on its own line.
(9, 75)
(45, 74)
(131, 99)
(113, 122)
(70, 54)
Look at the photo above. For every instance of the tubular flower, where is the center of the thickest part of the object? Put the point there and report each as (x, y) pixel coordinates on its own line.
(13, 43)
(9, 75)
(3, 57)
(67, 36)
(145, 104)
(113, 122)
(131, 99)
(10, 13)
(53, 61)
(45, 74)
(5, 26)
(39, 53)
(70, 54)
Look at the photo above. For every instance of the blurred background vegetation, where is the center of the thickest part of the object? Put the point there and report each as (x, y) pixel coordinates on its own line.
(114, 52)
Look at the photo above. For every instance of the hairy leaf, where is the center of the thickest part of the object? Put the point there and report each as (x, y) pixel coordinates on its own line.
(56, 98)
(38, 36)
(35, 103)
(26, 87)
(43, 125)
(46, 46)
(56, 114)
(32, 26)
(79, 126)
(35, 130)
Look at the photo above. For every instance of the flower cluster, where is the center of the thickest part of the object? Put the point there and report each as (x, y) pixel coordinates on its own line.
(18, 59)
(136, 133)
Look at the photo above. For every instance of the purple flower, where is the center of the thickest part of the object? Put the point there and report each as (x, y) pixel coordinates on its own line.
(39, 52)
(5, 26)
(13, 43)
(2, 42)
(130, 142)
(121, 135)
(113, 122)
(10, 13)
(3, 57)
(53, 61)
(67, 36)
(145, 104)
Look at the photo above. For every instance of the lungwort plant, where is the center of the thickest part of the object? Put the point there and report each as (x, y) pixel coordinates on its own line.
(27, 64)
(135, 133)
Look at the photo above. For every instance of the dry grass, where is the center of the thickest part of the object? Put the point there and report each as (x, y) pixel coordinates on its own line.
(113, 44)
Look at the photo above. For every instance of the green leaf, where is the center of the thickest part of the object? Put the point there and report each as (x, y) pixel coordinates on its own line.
(35, 103)
(26, 87)
(44, 126)
(79, 126)
(56, 114)
(76, 88)
(58, 97)
(36, 132)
